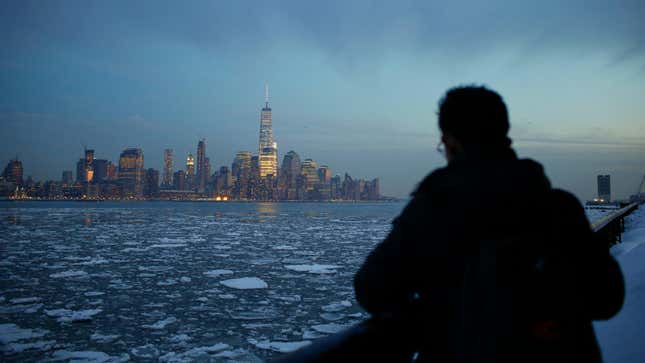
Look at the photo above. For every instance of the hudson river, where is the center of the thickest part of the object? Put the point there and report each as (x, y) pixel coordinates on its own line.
(178, 281)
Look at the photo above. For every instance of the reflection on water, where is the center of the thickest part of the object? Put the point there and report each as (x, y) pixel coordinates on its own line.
(267, 208)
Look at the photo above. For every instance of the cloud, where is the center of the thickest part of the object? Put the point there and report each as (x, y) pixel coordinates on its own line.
(348, 32)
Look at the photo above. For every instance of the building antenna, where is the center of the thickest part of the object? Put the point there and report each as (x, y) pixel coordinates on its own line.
(266, 94)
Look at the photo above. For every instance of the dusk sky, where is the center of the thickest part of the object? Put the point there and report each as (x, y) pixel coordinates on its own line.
(354, 84)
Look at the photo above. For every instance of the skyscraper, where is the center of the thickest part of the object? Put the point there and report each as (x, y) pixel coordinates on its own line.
(604, 188)
(13, 172)
(190, 172)
(131, 173)
(289, 171)
(167, 169)
(267, 148)
(100, 170)
(202, 173)
(89, 165)
(241, 172)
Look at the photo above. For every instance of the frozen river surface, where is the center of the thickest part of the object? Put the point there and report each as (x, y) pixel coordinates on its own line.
(178, 282)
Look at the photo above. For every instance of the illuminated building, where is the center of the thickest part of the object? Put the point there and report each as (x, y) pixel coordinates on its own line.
(13, 172)
(604, 188)
(202, 173)
(85, 167)
(190, 172)
(167, 169)
(267, 148)
(131, 173)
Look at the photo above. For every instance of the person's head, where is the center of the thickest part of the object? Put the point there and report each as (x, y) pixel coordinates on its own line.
(472, 118)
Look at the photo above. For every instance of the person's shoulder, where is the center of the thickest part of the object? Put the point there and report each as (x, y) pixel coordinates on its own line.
(431, 181)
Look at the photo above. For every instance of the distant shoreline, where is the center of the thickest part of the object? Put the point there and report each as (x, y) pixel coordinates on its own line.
(392, 200)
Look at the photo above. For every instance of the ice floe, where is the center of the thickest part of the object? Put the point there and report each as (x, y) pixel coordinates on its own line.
(161, 323)
(24, 300)
(244, 283)
(192, 354)
(331, 328)
(103, 338)
(70, 316)
(216, 273)
(88, 357)
(337, 306)
(313, 269)
(12, 333)
(282, 347)
(145, 351)
(70, 273)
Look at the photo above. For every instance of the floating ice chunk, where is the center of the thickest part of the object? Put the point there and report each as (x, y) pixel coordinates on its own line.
(215, 273)
(167, 282)
(185, 279)
(168, 245)
(311, 334)
(28, 309)
(161, 323)
(283, 347)
(103, 338)
(88, 357)
(93, 293)
(313, 269)
(226, 296)
(145, 351)
(331, 328)
(24, 300)
(69, 273)
(244, 283)
(284, 247)
(21, 347)
(12, 333)
(337, 306)
(70, 316)
(94, 261)
(202, 299)
(190, 355)
(179, 338)
(332, 316)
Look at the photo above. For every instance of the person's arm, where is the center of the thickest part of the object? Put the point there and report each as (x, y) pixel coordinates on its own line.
(599, 285)
(382, 284)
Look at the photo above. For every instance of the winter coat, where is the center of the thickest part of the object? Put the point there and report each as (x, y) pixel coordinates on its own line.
(488, 263)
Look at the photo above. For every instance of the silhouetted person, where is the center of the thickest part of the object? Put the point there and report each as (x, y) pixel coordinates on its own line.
(488, 263)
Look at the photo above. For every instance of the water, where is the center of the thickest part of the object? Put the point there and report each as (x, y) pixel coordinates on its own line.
(113, 281)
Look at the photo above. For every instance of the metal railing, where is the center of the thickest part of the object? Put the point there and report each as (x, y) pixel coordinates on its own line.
(373, 341)
(611, 226)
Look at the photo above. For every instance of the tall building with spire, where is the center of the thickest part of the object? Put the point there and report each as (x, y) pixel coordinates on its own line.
(267, 148)
(202, 173)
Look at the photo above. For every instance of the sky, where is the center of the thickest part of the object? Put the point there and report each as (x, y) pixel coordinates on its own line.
(353, 84)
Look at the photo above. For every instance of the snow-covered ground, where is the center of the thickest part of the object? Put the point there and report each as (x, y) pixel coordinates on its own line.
(179, 282)
(622, 338)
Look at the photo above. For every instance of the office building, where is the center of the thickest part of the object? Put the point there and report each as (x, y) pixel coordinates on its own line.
(604, 188)
(13, 172)
(202, 173)
(131, 172)
(68, 178)
(166, 182)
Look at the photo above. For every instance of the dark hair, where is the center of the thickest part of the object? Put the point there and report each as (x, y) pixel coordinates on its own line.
(476, 116)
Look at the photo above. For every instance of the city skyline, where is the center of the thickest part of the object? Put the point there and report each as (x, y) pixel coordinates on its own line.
(249, 177)
(357, 83)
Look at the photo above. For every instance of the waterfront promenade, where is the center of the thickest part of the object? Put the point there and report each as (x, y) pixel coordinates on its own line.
(621, 338)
